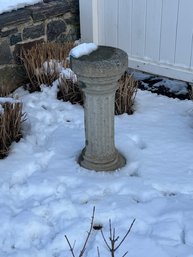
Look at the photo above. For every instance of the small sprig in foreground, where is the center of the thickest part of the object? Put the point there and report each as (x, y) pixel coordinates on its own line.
(113, 239)
(112, 245)
(86, 240)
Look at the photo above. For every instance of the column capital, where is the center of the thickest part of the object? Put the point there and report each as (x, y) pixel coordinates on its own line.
(105, 62)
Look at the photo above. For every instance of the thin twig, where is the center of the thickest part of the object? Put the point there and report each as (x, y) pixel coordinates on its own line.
(86, 240)
(89, 233)
(110, 229)
(129, 230)
(98, 252)
(70, 246)
(125, 254)
(113, 239)
(105, 240)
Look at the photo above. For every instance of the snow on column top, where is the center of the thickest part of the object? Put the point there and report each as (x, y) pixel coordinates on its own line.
(8, 6)
(83, 49)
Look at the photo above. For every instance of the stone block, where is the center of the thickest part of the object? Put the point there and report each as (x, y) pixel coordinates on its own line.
(66, 38)
(55, 29)
(49, 10)
(8, 32)
(73, 20)
(12, 77)
(15, 18)
(49, 1)
(75, 7)
(35, 31)
(5, 53)
(14, 39)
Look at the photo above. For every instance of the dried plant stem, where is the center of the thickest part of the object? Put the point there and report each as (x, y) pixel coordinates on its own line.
(11, 118)
(98, 252)
(70, 246)
(41, 62)
(125, 94)
(69, 91)
(86, 240)
(88, 235)
(112, 247)
(113, 239)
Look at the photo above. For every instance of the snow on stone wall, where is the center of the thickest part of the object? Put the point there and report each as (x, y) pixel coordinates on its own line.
(7, 6)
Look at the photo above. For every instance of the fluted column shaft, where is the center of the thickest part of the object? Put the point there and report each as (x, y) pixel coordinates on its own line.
(99, 125)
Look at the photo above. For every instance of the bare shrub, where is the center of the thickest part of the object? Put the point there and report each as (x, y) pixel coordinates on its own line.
(69, 91)
(125, 94)
(43, 62)
(82, 251)
(112, 242)
(124, 97)
(11, 118)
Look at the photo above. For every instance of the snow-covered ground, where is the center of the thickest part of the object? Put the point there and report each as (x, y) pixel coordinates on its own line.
(45, 194)
(7, 6)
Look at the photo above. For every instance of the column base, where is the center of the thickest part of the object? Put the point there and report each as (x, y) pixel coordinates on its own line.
(117, 161)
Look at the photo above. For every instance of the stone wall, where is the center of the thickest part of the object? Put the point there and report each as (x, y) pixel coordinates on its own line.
(52, 20)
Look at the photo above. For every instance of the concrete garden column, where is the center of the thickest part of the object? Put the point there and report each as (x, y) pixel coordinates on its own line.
(97, 75)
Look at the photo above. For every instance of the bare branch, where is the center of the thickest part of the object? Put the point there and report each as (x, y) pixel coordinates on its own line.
(98, 252)
(129, 230)
(110, 229)
(125, 254)
(70, 246)
(89, 233)
(112, 239)
(105, 240)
